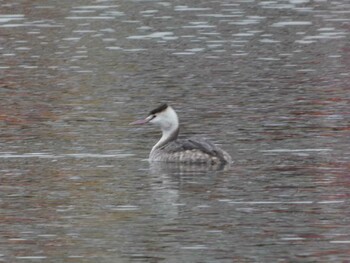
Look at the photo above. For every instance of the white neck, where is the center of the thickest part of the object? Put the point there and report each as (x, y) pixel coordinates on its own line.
(169, 124)
(167, 136)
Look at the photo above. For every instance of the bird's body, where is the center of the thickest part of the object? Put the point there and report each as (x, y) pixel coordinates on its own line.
(192, 150)
(171, 149)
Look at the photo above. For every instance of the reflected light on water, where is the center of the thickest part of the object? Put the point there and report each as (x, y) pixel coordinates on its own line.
(266, 80)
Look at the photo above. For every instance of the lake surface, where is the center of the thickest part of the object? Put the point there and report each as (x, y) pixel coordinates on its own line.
(269, 81)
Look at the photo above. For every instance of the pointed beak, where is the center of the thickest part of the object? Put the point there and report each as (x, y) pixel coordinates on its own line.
(139, 122)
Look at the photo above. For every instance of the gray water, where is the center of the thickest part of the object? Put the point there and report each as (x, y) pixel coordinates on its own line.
(266, 80)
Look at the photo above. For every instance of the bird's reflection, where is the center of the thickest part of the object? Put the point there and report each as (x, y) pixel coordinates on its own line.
(186, 168)
(179, 185)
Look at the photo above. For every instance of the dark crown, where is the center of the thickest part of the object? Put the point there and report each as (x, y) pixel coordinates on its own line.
(159, 109)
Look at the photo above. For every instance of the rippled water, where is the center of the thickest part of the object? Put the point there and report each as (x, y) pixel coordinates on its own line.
(267, 80)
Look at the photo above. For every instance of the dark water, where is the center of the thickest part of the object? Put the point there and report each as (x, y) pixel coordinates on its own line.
(267, 80)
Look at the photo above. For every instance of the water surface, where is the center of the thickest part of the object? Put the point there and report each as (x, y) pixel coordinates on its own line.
(267, 80)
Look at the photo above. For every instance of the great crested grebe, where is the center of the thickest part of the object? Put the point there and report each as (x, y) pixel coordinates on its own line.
(171, 149)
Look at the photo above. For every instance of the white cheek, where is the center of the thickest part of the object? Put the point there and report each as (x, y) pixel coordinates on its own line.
(166, 125)
(154, 121)
(157, 120)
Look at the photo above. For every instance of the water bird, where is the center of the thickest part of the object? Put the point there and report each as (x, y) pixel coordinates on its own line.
(169, 148)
